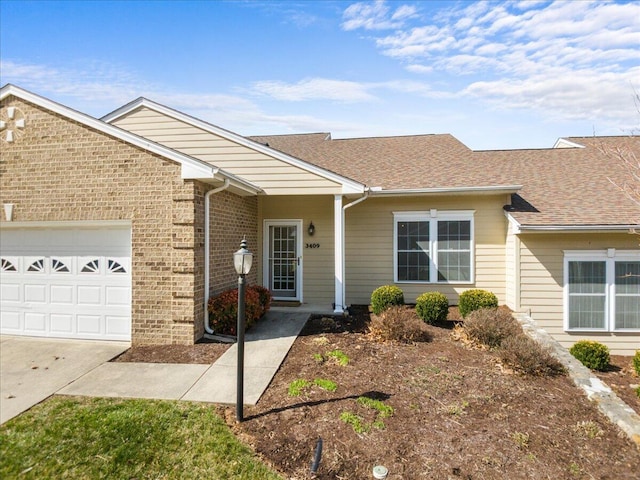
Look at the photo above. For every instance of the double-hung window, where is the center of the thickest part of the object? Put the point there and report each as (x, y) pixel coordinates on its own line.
(433, 247)
(602, 290)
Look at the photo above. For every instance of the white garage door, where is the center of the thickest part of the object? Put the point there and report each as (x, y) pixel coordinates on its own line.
(66, 282)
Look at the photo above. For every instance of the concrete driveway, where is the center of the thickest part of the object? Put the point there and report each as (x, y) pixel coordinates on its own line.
(32, 369)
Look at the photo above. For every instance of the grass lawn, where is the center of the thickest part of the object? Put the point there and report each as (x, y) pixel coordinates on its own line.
(74, 437)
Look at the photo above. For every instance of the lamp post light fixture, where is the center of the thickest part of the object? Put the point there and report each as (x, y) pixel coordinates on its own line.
(242, 261)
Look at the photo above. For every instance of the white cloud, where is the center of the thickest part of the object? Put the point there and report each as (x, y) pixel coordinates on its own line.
(569, 60)
(376, 16)
(315, 89)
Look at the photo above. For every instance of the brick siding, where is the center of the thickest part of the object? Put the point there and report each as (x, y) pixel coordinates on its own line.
(60, 170)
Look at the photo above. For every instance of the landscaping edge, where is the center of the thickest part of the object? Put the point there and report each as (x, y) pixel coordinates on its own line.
(618, 412)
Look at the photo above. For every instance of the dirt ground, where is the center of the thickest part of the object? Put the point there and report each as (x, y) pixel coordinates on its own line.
(456, 412)
(203, 352)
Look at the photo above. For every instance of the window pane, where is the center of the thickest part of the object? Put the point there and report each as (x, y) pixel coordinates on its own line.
(627, 295)
(587, 311)
(413, 251)
(587, 299)
(454, 251)
(587, 277)
(454, 266)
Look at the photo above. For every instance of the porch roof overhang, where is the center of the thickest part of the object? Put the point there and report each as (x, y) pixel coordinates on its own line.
(601, 228)
(191, 168)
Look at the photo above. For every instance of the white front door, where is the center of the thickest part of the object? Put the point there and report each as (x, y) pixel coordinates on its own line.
(283, 259)
(66, 282)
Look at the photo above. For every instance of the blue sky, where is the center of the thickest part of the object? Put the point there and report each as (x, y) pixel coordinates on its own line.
(494, 74)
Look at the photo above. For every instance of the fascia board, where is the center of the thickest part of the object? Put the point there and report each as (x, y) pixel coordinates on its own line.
(192, 168)
(514, 223)
(348, 186)
(488, 190)
(577, 228)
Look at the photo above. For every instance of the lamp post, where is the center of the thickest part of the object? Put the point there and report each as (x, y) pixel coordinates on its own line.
(242, 261)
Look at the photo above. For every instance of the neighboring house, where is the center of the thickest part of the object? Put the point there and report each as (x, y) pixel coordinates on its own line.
(110, 237)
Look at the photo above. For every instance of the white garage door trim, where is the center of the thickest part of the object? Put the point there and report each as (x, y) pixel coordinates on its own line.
(69, 282)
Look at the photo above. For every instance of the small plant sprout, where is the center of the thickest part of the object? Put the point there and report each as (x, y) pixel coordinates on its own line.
(357, 422)
(457, 408)
(384, 411)
(588, 429)
(325, 384)
(339, 356)
(319, 358)
(297, 386)
(521, 439)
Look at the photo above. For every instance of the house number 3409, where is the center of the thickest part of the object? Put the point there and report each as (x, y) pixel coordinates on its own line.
(312, 245)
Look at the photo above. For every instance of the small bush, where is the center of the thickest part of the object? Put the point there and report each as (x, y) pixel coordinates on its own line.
(636, 362)
(638, 392)
(527, 356)
(475, 299)
(591, 354)
(398, 324)
(432, 307)
(385, 297)
(491, 326)
(223, 309)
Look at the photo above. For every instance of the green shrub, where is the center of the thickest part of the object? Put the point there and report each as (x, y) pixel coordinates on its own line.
(524, 354)
(593, 355)
(638, 392)
(432, 307)
(385, 297)
(491, 326)
(475, 299)
(636, 362)
(223, 309)
(398, 324)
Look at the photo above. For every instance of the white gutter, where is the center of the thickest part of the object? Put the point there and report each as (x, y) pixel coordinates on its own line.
(340, 251)
(207, 248)
(491, 189)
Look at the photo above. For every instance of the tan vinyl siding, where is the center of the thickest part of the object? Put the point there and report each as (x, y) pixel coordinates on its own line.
(369, 246)
(542, 279)
(274, 176)
(317, 263)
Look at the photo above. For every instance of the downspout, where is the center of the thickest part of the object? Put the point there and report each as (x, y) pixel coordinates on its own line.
(344, 272)
(207, 248)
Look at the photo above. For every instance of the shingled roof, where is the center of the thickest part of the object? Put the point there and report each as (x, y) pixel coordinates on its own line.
(562, 187)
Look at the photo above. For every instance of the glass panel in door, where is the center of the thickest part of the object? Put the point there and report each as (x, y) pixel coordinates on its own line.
(283, 261)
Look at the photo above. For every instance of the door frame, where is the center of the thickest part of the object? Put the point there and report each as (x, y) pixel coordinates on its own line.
(266, 281)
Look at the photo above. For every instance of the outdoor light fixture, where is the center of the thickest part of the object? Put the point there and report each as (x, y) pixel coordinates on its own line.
(8, 211)
(311, 229)
(242, 261)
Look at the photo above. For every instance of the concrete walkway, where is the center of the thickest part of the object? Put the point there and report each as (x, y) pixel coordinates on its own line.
(266, 346)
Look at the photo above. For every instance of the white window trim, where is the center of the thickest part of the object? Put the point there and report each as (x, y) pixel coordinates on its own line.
(610, 257)
(433, 216)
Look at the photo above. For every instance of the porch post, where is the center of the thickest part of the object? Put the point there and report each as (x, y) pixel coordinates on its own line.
(338, 232)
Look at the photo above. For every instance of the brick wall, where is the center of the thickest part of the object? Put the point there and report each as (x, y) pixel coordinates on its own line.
(59, 170)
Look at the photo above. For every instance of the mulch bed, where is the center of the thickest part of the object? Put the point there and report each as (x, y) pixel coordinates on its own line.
(622, 379)
(458, 413)
(204, 352)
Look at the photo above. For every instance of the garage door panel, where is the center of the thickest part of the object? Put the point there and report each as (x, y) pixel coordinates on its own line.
(62, 324)
(89, 295)
(35, 293)
(35, 322)
(89, 324)
(73, 283)
(10, 321)
(61, 294)
(9, 292)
